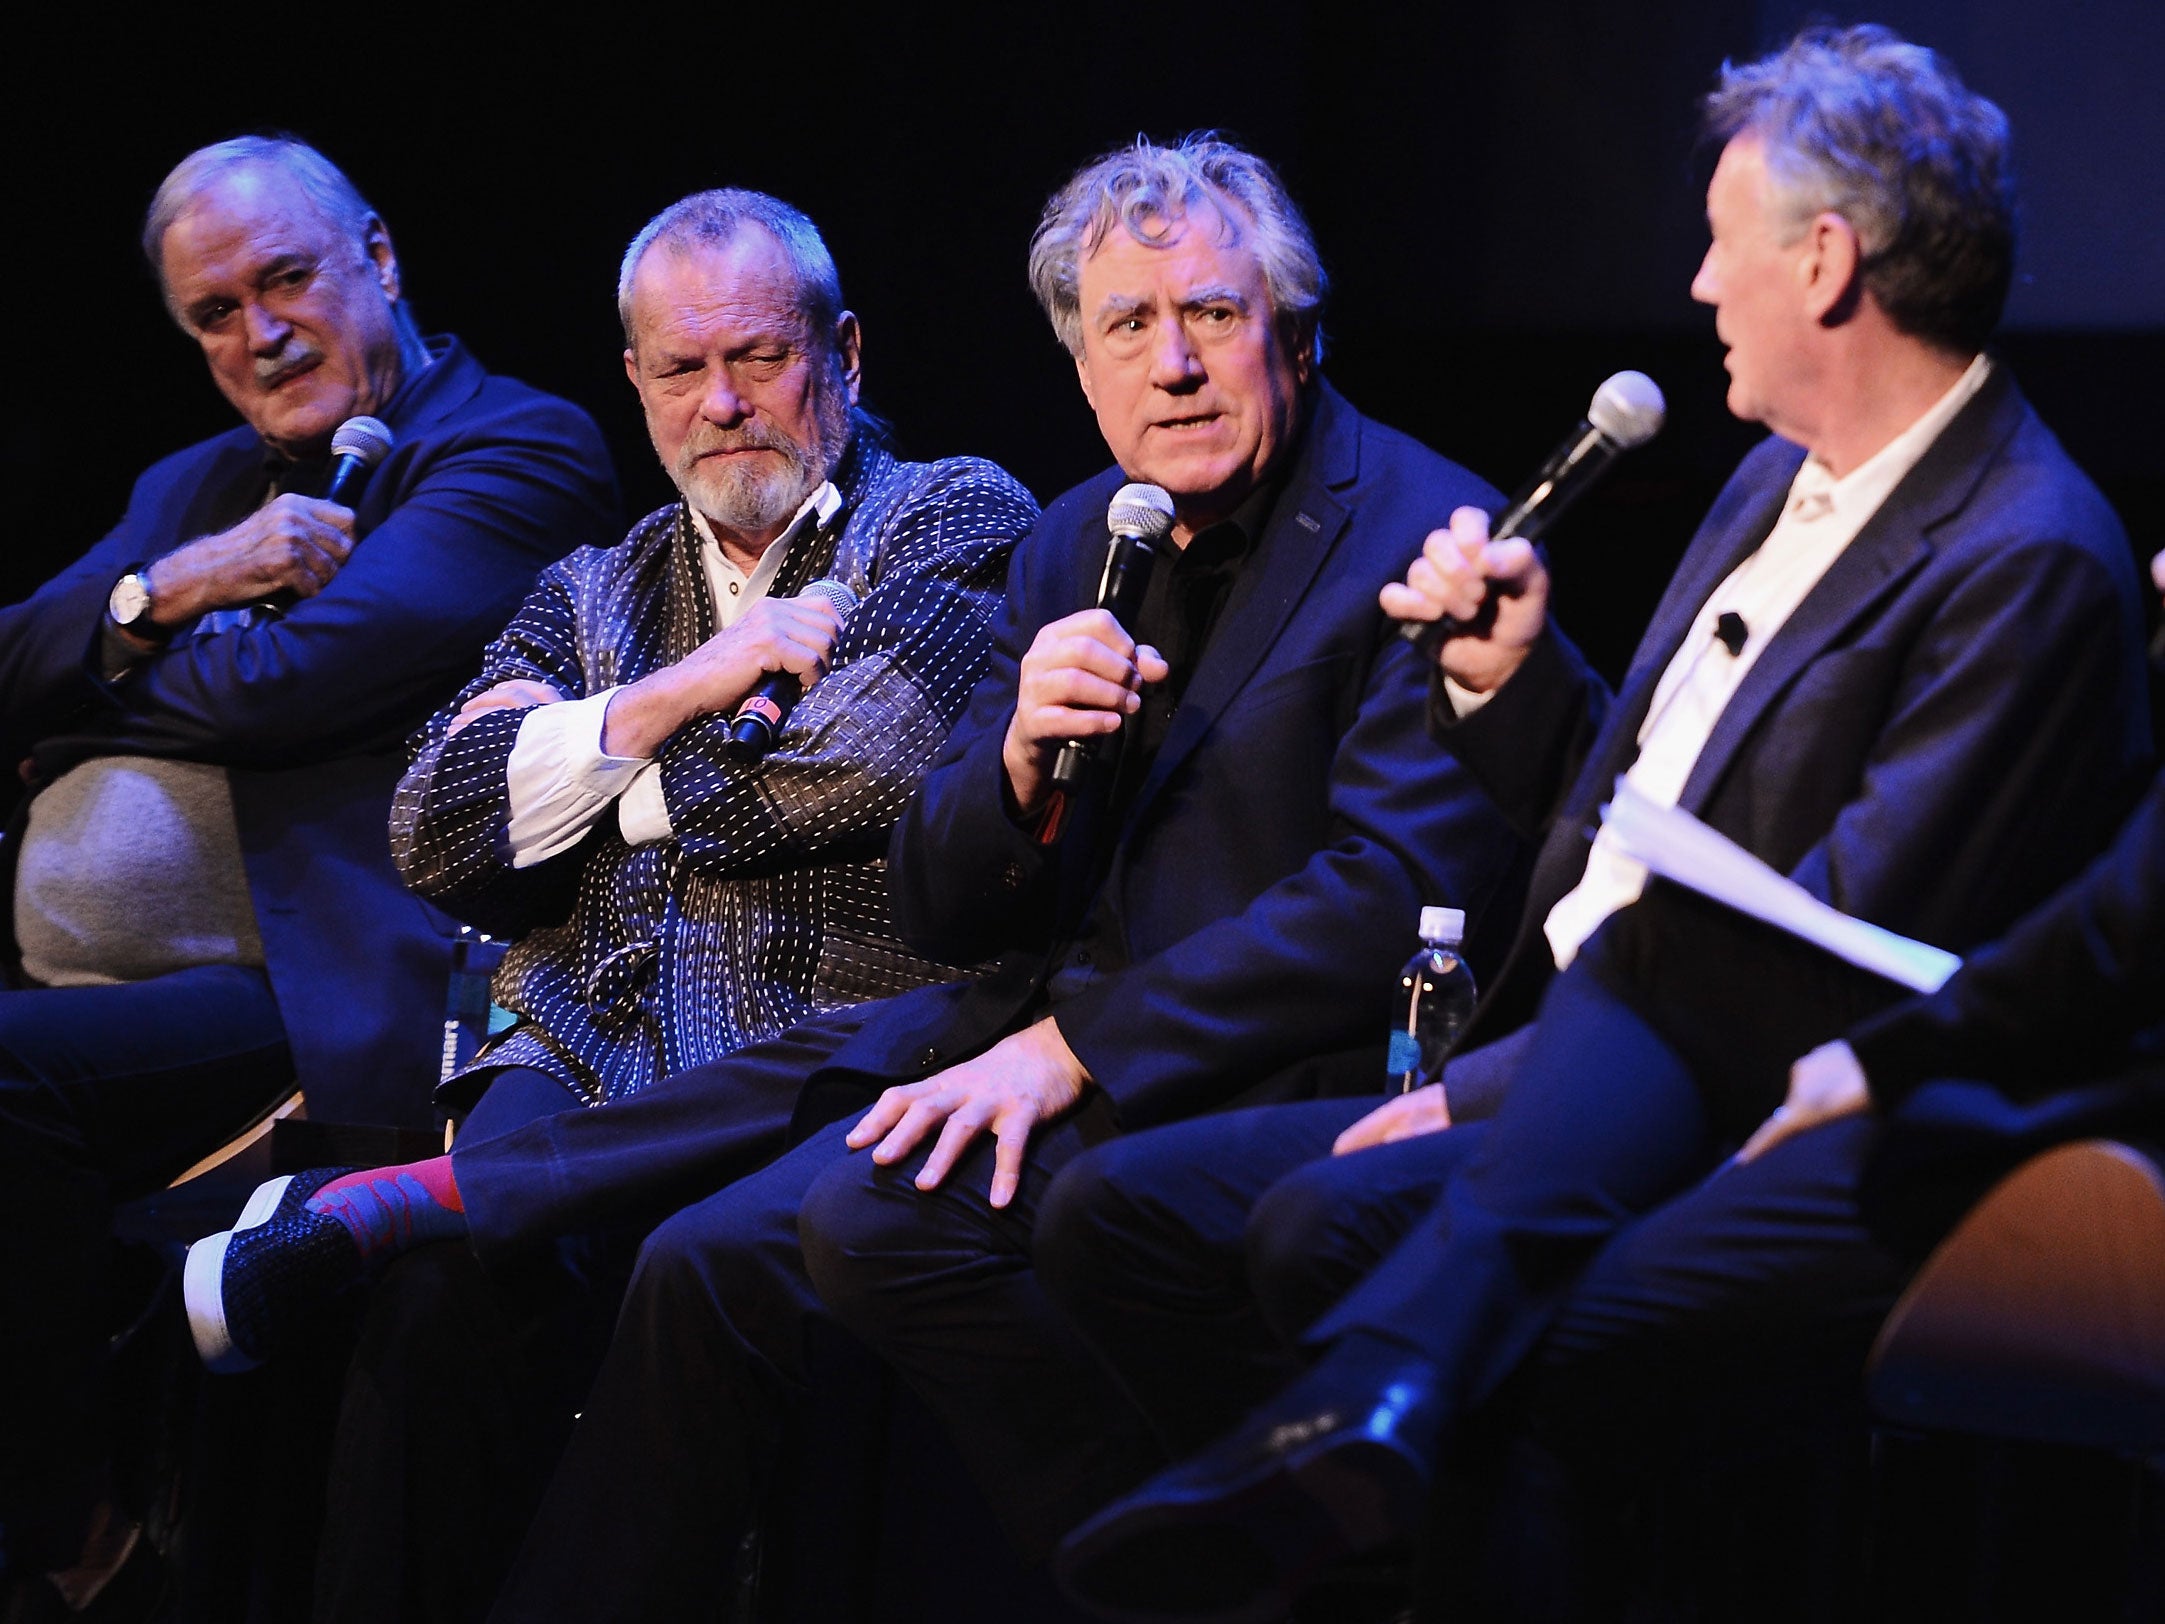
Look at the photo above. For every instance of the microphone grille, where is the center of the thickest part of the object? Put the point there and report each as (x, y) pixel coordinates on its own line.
(1140, 510)
(1628, 409)
(838, 594)
(366, 439)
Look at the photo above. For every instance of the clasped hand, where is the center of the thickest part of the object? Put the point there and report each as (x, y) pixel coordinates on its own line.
(515, 693)
(775, 634)
(1825, 1084)
(1403, 1116)
(1082, 677)
(290, 544)
(1026, 1078)
(1497, 590)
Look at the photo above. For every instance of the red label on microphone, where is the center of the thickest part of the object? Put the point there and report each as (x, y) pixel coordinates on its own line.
(761, 706)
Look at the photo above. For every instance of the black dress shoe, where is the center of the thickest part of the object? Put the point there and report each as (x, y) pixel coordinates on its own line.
(1339, 1463)
(139, 1592)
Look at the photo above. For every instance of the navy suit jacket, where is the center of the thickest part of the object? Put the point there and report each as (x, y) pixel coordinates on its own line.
(489, 481)
(2054, 1032)
(1948, 726)
(1262, 890)
(2073, 993)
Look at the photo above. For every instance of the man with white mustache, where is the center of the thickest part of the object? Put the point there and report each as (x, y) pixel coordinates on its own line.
(210, 708)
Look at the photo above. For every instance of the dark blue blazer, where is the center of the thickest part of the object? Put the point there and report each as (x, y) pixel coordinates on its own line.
(490, 480)
(1252, 910)
(2053, 1033)
(2075, 992)
(1949, 725)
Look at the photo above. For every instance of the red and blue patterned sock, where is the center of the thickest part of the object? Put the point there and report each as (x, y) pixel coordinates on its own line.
(389, 1209)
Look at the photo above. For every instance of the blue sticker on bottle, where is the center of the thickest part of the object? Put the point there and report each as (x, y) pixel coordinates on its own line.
(1405, 1054)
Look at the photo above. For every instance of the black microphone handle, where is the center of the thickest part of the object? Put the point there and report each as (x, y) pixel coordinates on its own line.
(759, 718)
(348, 475)
(1563, 479)
(1128, 562)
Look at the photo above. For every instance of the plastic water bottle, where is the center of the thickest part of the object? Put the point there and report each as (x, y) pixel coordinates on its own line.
(1435, 1000)
(469, 1017)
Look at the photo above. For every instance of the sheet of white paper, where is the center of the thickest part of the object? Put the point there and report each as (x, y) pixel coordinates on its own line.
(1678, 847)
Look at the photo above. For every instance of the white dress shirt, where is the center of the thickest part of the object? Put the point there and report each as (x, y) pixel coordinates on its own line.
(1820, 518)
(558, 778)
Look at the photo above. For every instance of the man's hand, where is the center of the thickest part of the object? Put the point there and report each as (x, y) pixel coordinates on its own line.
(1499, 590)
(1825, 1084)
(290, 544)
(1403, 1116)
(513, 694)
(774, 634)
(1082, 677)
(1026, 1078)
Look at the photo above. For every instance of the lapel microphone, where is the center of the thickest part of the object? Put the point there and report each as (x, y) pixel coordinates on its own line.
(1731, 632)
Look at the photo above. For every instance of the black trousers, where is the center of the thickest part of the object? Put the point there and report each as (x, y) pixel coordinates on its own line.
(106, 1093)
(456, 1403)
(678, 1435)
(1592, 1219)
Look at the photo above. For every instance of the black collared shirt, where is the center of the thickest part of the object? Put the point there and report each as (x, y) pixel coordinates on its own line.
(1180, 611)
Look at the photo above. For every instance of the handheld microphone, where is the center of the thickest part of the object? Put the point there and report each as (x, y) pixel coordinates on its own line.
(759, 716)
(1626, 411)
(1140, 518)
(359, 444)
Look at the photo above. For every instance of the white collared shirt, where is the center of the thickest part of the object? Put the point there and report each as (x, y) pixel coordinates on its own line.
(558, 779)
(1821, 517)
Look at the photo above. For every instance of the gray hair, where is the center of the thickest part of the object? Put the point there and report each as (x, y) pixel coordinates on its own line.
(322, 182)
(714, 219)
(1145, 189)
(1860, 122)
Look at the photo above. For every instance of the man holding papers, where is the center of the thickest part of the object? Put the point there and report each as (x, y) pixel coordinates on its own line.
(1933, 715)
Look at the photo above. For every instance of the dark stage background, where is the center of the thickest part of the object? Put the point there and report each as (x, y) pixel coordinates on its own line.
(1509, 197)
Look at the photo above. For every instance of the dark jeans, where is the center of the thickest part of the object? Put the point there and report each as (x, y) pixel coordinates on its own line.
(105, 1094)
(456, 1404)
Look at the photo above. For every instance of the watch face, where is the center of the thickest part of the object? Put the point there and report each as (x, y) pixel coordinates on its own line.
(130, 600)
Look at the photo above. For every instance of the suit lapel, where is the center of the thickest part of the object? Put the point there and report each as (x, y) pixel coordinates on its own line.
(228, 492)
(1305, 524)
(1893, 545)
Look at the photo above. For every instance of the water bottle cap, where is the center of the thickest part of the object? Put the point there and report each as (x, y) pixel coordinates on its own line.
(1444, 925)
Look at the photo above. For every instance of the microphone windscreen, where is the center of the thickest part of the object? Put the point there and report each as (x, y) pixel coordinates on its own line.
(368, 440)
(838, 595)
(1628, 409)
(1140, 510)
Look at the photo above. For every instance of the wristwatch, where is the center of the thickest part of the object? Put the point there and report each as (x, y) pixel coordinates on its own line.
(129, 605)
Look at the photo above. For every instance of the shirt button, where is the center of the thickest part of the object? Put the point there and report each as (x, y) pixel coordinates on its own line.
(1082, 955)
(733, 589)
(1011, 876)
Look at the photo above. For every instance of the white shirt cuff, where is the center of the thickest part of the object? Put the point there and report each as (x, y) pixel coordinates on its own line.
(558, 781)
(642, 815)
(1464, 701)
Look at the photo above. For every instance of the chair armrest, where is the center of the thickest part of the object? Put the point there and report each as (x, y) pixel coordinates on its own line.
(2042, 1316)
